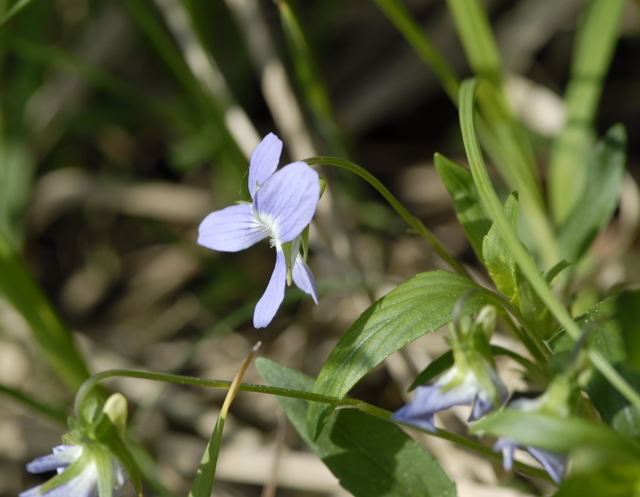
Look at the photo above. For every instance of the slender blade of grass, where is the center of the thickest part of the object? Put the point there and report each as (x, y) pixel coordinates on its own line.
(595, 43)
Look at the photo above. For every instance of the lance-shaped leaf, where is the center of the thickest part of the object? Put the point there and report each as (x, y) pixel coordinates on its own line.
(595, 207)
(414, 308)
(371, 457)
(459, 183)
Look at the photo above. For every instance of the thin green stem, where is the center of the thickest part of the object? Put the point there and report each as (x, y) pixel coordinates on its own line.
(411, 220)
(529, 337)
(493, 207)
(339, 403)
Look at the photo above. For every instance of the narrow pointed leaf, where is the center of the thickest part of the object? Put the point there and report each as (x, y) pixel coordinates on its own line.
(459, 183)
(416, 307)
(594, 208)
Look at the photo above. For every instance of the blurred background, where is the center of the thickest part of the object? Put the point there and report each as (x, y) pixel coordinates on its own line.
(123, 123)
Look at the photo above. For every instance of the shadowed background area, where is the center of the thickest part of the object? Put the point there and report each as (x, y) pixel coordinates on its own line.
(124, 123)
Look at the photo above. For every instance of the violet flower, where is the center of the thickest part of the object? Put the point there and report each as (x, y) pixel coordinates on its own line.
(283, 203)
(458, 386)
(82, 472)
(554, 401)
(554, 464)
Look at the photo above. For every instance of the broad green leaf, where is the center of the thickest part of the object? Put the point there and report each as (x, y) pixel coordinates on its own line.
(498, 258)
(594, 208)
(619, 480)
(371, 457)
(627, 316)
(414, 308)
(595, 41)
(612, 327)
(459, 183)
(613, 407)
(562, 435)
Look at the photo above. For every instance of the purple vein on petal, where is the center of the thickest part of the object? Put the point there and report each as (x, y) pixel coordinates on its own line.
(290, 198)
(270, 301)
(231, 229)
(264, 161)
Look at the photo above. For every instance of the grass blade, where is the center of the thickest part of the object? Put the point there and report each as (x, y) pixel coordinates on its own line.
(594, 49)
(203, 482)
(55, 340)
(309, 79)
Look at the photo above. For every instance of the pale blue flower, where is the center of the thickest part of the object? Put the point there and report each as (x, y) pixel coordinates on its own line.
(83, 463)
(554, 464)
(283, 203)
(554, 401)
(458, 386)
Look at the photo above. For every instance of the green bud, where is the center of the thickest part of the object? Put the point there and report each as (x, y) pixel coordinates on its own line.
(116, 410)
(486, 320)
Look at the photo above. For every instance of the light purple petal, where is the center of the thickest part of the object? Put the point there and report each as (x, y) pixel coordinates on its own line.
(231, 229)
(429, 400)
(506, 446)
(303, 278)
(62, 456)
(289, 198)
(482, 404)
(270, 301)
(554, 464)
(264, 161)
(83, 485)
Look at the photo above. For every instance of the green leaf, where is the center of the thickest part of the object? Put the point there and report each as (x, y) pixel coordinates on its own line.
(595, 41)
(371, 457)
(556, 270)
(416, 307)
(613, 327)
(562, 435)
(492, 205)
(619, 480)
(497, 257)
(459, 183)
(435, 367)
(594, 208)
(626, 314)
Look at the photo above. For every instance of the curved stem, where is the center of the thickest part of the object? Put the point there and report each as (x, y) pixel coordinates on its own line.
(409, 218)
(493, 207)
(343, 403)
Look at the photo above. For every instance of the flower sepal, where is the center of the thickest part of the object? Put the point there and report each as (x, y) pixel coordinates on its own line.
(472, 380)
(94, 460)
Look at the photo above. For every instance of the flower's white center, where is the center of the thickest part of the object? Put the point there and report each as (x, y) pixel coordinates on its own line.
(270, 227)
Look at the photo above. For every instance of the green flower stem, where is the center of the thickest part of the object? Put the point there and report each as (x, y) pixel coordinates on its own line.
(411, 220)
(531, 341)
(493, 207)
(529, 337)
(343, 403)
